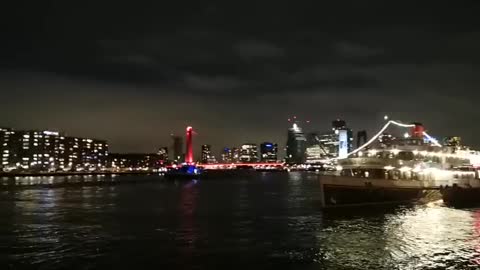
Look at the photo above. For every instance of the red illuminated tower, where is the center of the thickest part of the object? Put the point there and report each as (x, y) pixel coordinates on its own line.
(189, 154)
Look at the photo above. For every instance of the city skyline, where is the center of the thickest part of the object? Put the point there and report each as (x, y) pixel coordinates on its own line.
(325, 139)
(133, 82)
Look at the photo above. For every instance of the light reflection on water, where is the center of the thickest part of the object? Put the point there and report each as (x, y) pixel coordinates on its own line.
(270, 220)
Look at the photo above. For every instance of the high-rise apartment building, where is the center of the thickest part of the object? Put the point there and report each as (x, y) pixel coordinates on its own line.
(45, 150)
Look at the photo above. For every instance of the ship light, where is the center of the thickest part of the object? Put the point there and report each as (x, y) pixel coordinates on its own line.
(395, 151)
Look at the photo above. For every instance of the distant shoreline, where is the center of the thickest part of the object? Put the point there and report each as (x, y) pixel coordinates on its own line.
(5, 174)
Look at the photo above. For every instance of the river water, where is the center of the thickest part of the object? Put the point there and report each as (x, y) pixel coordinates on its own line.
(270, 220)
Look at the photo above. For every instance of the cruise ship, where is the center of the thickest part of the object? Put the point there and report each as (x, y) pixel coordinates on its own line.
(409, 169)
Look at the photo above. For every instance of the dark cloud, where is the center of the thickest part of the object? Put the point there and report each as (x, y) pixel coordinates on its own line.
(258, 49)
(135, 72)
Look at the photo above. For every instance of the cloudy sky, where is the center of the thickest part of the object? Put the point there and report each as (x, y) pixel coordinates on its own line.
(133, 73)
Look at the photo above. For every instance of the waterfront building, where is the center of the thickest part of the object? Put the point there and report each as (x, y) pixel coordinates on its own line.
(296, 145)
(4, 147)
(44, 150)
(79, 154)
(268, 152)
(133, 161)
(33, 150)
(249, 153)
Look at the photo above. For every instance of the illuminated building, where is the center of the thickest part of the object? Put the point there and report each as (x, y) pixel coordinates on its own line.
(135, 162)
(79, 154)
(35, 150)
(235, 154)
(163, 154)
(227, 155)
(5, 150)
(296, 145)
(268, 152)
(321, 147)
(206, 153)
(249, 153)
(313, 151)
(231, 155)
(336, 143)
(345, 136)
(177, 148)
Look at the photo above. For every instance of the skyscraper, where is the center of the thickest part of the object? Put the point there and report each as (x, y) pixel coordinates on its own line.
(268, 152)
(249, 153)
(206, 153)
(296, 145)
(177, 148)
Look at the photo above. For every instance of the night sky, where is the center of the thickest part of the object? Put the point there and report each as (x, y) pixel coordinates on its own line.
(135, 72)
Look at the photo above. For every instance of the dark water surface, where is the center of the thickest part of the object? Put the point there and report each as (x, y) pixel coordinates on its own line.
(269, 221)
